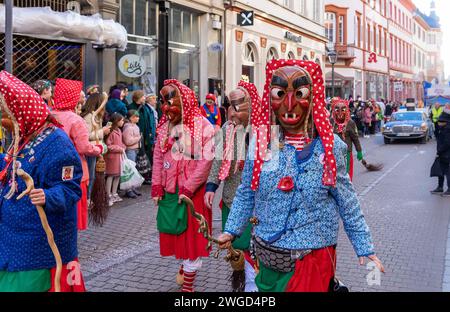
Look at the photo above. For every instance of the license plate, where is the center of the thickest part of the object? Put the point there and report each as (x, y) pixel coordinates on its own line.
(404, 134)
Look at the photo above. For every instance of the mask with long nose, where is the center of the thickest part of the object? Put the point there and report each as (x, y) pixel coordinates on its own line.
(291, 97)
(172, 103)
(239, 110)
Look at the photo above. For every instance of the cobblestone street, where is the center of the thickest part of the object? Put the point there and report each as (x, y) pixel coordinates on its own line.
(408, 224)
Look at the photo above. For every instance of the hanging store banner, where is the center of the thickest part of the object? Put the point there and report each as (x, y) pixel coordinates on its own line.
(132, 65)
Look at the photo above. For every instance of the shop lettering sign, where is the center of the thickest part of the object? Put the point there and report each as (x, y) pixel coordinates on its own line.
(132, 65)
(215, 47)
(398, 86)
(290, 36)
(372, 58)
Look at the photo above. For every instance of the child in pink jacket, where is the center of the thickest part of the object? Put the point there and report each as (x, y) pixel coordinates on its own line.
(113, 158)
(132, 138)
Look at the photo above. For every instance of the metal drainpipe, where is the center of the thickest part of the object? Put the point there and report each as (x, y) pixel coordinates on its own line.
(9, 36)
(224, 36)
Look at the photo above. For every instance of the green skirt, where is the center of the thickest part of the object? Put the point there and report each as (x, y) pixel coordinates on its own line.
(242, 242)
(25, 281)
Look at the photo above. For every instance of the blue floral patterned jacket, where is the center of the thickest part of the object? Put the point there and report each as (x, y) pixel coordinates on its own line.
(308, 216)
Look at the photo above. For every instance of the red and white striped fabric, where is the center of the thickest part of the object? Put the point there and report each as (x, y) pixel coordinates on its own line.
(296, 140)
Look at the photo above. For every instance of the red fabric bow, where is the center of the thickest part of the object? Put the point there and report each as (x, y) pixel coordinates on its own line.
(320, 115)
(67, 94)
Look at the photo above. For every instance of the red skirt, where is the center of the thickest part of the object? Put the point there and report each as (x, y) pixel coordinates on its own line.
(314, 272)
(82, 208)
(71, 278)
(189, 245)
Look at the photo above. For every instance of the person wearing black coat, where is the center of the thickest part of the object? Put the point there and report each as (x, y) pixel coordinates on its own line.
(443, 152)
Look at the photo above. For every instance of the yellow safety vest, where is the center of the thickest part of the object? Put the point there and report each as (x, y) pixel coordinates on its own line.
(436, 113)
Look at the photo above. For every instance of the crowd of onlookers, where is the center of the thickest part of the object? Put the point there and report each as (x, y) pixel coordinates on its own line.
(124, 123)
(369, 115)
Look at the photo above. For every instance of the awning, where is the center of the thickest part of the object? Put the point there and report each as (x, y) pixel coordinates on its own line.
(43, 22)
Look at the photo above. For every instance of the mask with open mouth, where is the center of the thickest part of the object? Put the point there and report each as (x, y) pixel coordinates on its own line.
(290, 97)
(239, 110)
(341, 113)
(171, 103)
(294, 87)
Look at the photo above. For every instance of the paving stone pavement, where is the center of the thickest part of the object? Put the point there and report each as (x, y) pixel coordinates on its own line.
(410, 228)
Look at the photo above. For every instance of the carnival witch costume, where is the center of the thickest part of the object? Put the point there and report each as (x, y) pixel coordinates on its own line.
(298, 188)
(228, 168)
(67, 94)
(346, 129)
(38, 245)
(181, 163)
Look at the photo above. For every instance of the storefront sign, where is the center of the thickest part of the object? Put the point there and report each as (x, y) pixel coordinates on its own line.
(290, 36)
(372, 58)
(398, 86)
(245, 18)
(132, 65)
(215, 47)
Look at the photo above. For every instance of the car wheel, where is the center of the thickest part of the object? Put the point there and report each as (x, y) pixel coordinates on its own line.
(387, 141)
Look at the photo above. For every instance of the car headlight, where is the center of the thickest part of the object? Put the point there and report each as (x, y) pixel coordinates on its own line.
(424, 127)
(416, 129)
(386, 129)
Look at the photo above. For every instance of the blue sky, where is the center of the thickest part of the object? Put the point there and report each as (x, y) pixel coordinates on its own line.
(441, 6)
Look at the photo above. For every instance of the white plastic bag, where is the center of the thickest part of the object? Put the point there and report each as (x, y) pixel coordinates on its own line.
(129, 176)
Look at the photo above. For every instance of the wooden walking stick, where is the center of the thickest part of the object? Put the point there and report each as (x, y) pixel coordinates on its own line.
(234, 256)
(50, 238)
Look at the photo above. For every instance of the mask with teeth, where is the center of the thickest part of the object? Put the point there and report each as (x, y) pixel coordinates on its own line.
(239, 110)
(291, 98)
(171, 103)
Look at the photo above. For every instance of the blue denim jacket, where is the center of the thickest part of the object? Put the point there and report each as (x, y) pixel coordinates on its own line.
(308, 216)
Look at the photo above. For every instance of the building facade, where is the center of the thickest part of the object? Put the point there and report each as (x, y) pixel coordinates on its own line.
(386, 48)
(281, 29)
(359, 31)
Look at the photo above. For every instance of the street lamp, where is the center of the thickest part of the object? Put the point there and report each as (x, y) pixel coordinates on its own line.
(332, 58)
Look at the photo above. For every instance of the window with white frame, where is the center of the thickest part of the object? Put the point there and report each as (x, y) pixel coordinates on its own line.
(341, 29)
(317, 10)
(291, 55)
(249, 53)
(330, 26)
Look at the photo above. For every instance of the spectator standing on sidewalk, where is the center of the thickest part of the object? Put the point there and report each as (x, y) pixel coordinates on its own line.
(132, 138)
(367, 119)
(147, 122)
(115, 103)
(44, 89)
(443, 151)
(113, 158)
(95, 102)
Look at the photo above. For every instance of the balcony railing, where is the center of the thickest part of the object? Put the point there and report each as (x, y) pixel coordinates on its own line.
(55, 5)
(345, 51)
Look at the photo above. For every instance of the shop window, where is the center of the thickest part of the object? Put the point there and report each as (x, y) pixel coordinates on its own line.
(330, 26)
(317, 61)
(249, 53)
(305, 57)
(291, 55)
(36, 59)
(248, 63)
(341, 29)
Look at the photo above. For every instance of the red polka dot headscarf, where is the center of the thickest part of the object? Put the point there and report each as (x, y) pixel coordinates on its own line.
(338, 101)
(67, 94)
(26, 106)
(319, 113)
(255, 99)
(190, 113)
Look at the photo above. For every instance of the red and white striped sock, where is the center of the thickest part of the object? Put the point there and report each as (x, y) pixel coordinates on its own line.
(189, 278)
(297, 140)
